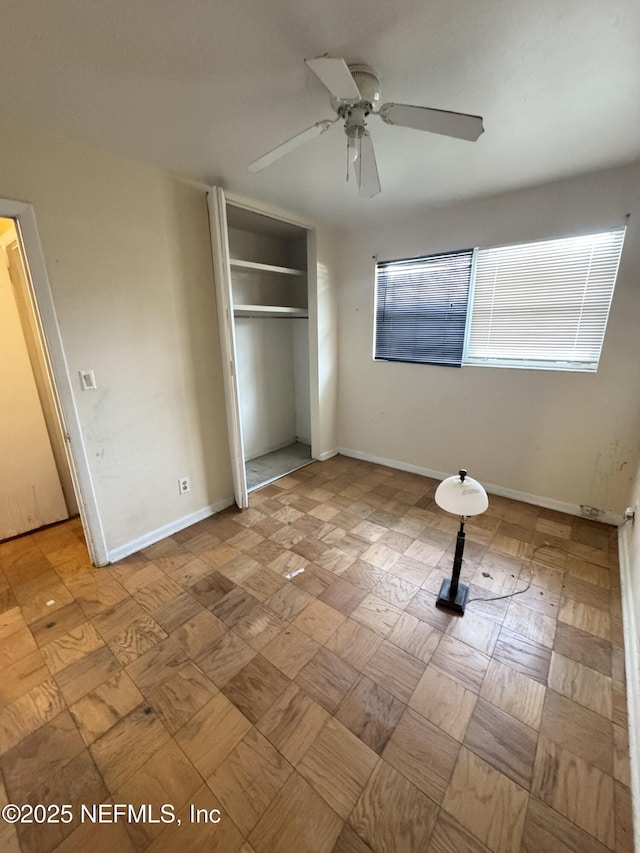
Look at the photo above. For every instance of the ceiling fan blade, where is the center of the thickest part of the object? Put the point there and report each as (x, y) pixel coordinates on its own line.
(458, 125)
(366, 168)
(296, 141)
(335, 75)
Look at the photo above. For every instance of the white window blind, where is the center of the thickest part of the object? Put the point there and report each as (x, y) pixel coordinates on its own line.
(421, 308)
(543, 304)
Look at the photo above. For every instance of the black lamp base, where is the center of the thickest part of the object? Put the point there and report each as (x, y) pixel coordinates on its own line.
(456, 604)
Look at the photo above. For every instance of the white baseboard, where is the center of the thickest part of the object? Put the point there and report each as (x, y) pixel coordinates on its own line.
(502, 491)
(632, 667)
(159, 533)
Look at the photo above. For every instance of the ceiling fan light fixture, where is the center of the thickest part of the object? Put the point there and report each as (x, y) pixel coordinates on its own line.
(352, 149)
(354, 135)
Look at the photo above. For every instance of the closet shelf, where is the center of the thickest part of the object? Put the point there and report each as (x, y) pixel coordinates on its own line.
(268, 311)
(236, 263)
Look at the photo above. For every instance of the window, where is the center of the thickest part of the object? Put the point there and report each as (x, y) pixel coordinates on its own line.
(538, 305)
(544, 304)
(421, 308)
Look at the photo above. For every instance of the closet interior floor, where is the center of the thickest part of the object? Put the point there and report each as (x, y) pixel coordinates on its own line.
(339, 710)
(265, 469)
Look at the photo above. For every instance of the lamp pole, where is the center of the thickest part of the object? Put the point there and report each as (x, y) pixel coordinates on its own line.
(453, 595)
(457, 559)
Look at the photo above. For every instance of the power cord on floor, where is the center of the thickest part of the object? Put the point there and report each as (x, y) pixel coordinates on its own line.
(530, 561)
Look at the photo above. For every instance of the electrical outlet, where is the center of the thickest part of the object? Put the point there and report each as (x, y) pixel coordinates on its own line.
(590, 511)
(184, 485)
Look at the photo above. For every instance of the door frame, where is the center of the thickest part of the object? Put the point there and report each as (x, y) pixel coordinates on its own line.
(42, 304)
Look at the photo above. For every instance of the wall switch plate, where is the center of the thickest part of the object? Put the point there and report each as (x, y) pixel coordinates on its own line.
(88, 380)
(184, 485)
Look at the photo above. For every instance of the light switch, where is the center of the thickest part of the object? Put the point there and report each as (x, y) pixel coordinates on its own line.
(88, 380)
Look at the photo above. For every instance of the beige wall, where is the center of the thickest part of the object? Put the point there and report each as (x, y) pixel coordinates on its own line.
(567, 438)
(128, 255)
(264, 365)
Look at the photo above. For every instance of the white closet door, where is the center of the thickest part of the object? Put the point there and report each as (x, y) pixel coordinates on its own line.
(222, 272)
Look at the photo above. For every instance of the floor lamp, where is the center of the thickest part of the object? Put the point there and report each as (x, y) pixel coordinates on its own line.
(463, 496)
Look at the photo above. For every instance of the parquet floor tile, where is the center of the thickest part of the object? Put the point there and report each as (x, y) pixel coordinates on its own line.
(392, 815)
(254, 766)
(256, 687)
(293, 723)
(491, 806)
(167, 777)
(100, 709)
(502, 741)
(423, 753)
(338, 765)
(370, 712)
(327, 679)
(299, 819)
(588, 801)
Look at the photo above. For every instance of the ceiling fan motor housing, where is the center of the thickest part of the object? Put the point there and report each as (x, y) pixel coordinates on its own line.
(369, 87)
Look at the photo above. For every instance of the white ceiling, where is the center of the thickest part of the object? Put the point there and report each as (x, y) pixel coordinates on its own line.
(203, 87)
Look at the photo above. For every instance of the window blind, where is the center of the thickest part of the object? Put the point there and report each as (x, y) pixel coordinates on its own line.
(421, 308)
(543, 304)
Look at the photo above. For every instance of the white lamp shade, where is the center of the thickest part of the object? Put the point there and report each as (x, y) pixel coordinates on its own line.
(461, 497)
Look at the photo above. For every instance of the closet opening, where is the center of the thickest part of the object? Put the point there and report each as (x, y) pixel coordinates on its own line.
(262, 282)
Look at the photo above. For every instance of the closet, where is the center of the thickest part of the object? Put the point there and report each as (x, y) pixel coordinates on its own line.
(263, 266)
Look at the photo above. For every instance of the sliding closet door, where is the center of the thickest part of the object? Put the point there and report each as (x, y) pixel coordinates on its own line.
(222, 272)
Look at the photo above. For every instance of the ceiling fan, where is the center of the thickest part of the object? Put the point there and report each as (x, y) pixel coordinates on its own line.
(355, 94)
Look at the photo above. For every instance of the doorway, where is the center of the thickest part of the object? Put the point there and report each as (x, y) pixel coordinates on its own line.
(54, 466)
(31, 472)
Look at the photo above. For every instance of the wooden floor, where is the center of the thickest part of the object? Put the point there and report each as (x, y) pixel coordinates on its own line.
(337, 711)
